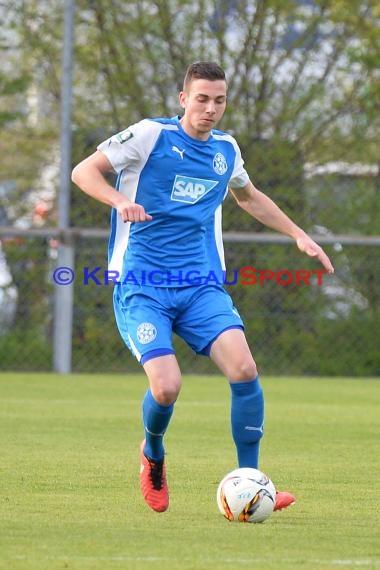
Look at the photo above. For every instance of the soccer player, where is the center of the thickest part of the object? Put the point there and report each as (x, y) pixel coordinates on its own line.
(172, 177)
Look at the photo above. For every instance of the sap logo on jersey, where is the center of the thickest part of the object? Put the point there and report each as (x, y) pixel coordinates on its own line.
(190, 190)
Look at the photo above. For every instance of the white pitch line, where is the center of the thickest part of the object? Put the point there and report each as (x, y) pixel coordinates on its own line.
(121, 558)
(349, 562)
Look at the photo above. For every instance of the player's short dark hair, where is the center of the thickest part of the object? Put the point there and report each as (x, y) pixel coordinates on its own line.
(204, 70)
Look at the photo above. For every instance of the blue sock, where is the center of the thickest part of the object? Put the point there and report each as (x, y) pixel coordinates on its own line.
(247, 419)
(156, 419)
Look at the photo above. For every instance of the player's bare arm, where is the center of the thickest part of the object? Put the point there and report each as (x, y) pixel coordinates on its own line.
(263, 209)
(90, 176)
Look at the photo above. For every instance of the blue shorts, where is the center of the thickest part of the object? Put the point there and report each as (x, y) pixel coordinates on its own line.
(147, 317)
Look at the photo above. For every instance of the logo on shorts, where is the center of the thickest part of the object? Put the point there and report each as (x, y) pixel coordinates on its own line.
(190, 190)
(146, 333)
(220, 164)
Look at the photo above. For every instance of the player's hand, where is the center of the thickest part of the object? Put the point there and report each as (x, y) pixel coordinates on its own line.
(131, 212)
(308, 246)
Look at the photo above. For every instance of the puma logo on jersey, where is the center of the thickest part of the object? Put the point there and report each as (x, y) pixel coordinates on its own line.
(176, 149)
(190, 190)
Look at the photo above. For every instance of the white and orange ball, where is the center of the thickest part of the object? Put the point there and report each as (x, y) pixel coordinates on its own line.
(246, 495)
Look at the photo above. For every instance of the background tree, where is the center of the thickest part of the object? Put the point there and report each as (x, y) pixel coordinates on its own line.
(303, 88)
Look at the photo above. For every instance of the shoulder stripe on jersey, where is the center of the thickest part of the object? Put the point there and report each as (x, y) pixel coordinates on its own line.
(164, 125)
(224, 137)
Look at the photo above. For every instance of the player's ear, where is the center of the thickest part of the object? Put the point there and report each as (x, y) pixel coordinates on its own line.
(182, 99)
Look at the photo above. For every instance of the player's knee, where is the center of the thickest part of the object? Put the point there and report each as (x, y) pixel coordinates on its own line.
(166, 392)
(243, 370)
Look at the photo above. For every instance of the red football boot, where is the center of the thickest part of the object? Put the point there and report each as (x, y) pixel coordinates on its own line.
(283, 500)
(153, 483)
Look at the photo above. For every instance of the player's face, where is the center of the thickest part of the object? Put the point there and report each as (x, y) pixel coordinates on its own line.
(204, 102)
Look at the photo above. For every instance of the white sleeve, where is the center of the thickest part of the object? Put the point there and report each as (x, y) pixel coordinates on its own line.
(239, 176)
(131, 146)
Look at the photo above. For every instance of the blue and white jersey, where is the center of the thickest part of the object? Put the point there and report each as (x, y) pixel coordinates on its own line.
(181, 182)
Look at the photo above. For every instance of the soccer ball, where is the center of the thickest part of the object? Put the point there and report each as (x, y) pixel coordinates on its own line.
(246, 495)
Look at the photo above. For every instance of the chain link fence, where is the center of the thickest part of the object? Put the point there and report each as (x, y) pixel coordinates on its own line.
(302, 88)
(297, 322)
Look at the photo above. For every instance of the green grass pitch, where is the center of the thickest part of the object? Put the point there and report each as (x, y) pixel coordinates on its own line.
(69, 476)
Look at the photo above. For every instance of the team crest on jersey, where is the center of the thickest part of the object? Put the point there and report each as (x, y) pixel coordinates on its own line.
(123, 136)
(191, 190)
(146, 333)
(219, 163)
